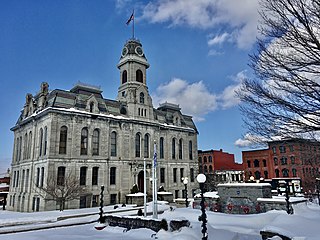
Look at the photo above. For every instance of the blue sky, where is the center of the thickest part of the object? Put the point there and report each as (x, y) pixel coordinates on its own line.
(197, 50)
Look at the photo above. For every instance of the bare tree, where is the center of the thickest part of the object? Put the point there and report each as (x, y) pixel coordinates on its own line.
(62, 189)
(284, 97)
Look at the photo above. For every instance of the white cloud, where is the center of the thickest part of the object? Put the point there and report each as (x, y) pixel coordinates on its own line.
(219, 39)
(239, 17)
(194, 99)
(250, 140)
(228, 98)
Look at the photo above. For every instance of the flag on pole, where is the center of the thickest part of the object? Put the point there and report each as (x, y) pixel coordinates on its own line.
(155, 159)
(130, 18)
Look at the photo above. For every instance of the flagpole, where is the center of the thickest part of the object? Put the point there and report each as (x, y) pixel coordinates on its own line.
(133, 25)
(155, 204)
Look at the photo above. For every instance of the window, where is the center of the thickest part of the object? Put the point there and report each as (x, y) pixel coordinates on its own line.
(83, 175)
(17, 182)
(139, 76)
(124, 76)
(95, 200)
(283, 161)
(190, 150)
(256, 163)
(95, 174)
(29, 145)
(285, 172)
(161, 147)
(91, 107)
(63, 140)
(137, 145)
(84, 141)
(191, 174)
(45, 141)
(275, 160)
(113, 144)
(264, 162)
(282, 149)
(173, 148)
(113, 175)
(181, 174)
(266, 174)
(180, 148)
(25, 147)
(38, 178)
(249, 163)
(210, 169)
(162, 175)
(41, 142)
(61, 176)
(200, 159)
(141, 100)
(175, 175)
(210, 159)
(257, 175)
(27, 178)
(176, 193)
(205, 159)
(205, 169)
(42, 177)
(146, 146)
(292, 158)
(277, 172)
(274, 150)
(95, 142)
(294, 172)
(291, 148)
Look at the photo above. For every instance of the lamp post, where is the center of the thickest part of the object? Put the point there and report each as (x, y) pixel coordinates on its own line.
(201, 178)
(185, 182)
(102, 221)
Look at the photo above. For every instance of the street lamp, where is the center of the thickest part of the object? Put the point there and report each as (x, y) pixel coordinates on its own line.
(318, 190)
(201, 178)
(102, 221)
(185, 182)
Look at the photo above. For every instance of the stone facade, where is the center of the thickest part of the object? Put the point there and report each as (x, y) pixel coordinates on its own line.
(101, 141)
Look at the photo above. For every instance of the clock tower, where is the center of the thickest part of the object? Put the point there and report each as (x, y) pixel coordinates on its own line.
(133, 91)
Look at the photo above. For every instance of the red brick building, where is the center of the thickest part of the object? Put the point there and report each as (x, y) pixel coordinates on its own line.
(287, 158)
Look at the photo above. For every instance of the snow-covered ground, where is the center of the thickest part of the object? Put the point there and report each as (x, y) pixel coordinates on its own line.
(304, 224)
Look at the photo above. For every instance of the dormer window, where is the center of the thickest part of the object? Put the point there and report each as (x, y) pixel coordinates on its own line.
(139, 76)
(91, 106)
(124, 76)
(142, 98)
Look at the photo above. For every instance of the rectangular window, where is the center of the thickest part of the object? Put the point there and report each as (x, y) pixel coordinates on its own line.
(112, 175)
(274, 150)
(83, 175)
(161, 148)
(291, 148)
(17, 182)
(42, 177)
(173, 148)
(95, 142)
(61, 176)
(174, 175)
(176, 193)
(181, 174)
(190, 150)
(113, 144)
(162, 175)
(38, 178)
(95, 171)
(191, 174)
(95, 200)
(282, 149)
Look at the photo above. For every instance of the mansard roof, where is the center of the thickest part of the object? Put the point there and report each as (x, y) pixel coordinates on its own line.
(79, 97)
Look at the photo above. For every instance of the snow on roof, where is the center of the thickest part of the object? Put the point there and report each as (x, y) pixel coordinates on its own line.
(208, 195)
(243, 184)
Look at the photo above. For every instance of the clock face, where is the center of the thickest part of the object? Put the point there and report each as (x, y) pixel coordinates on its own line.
(139, 51)
(124, 51)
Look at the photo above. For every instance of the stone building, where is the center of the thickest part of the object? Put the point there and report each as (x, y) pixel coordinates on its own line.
(101, 141)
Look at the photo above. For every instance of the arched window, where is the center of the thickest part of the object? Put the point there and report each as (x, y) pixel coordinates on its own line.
(275, 160)
(139, 76)
(249, 163)
(84, 141)
(190, 150)
(277, 172)
(173, 148)
(210, 159)
(146, 145)
(113, 144)
(264, 162)
(256, 163)
(285, 172)
(91, 106)
(138, 144)
(180, 148)
(161, 147)
(29, 144)
(95, 142)
(205, 159)
(210, 169)
(63, 140)
(205, 168)
(124, 76)
(25, 147)
(40, 142)
(141, 98)
(266, 175)
(45, 141)
(200, 159)
(294, 172)
(95, 175)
